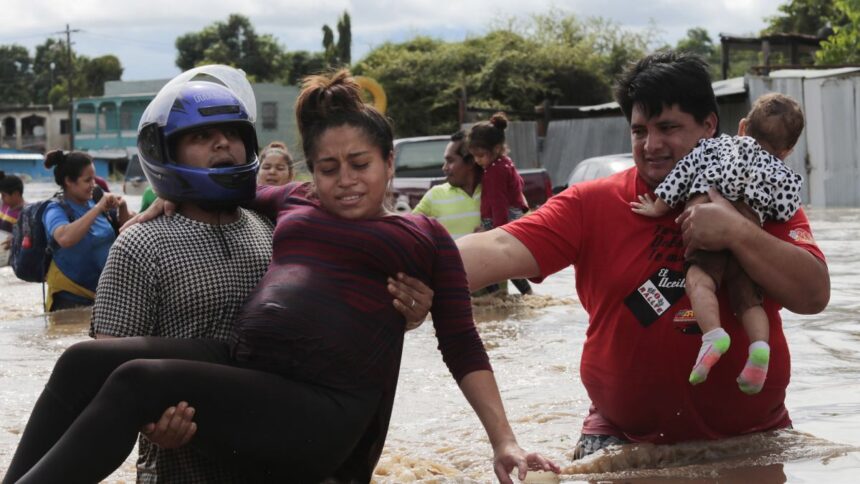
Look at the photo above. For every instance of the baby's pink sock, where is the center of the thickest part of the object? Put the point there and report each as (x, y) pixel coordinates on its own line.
(714, 343)
(752, 377)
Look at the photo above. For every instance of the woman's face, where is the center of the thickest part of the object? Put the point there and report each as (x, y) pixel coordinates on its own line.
(274, 170)
(81, 189)
(350, 175)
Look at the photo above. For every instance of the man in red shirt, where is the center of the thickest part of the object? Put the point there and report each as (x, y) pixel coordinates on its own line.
(629, 271)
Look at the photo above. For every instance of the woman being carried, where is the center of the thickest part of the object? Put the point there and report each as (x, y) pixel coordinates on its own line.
(304, 389)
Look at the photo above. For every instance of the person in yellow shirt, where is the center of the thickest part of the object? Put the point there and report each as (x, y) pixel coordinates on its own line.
(456, 204)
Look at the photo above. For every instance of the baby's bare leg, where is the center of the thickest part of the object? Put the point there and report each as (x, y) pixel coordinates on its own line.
(704, 274)
(746, 301)
(701, 289)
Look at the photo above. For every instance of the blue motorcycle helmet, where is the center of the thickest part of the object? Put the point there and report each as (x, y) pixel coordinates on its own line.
(207, 96)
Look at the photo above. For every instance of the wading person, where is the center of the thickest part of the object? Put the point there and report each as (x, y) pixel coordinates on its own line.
(502, 199)
(456, 204)
(304, 389)
(11, 203)
(630, 275)
(79, 227)
(187, 275)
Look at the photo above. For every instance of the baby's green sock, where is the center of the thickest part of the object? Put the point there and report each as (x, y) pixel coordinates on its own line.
(714, 343)
(752, 377)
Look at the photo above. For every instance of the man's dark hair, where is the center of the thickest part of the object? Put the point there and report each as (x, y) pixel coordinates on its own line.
(666, 78)
(463, 151)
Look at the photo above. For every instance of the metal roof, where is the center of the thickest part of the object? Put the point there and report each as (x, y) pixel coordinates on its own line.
(814, 73)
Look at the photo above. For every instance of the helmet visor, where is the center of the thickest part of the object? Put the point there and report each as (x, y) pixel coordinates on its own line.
(159, 109)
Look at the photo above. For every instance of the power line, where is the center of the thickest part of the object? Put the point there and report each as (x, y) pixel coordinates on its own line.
(13, 39)
(124, 39)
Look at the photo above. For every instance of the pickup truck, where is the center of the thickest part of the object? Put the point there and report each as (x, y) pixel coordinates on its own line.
(418, 166)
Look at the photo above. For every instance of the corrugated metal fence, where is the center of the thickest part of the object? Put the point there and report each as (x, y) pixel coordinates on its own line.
(828, 151)
(570, 141)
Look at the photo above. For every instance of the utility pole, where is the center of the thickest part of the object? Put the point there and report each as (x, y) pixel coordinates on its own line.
(69, 75)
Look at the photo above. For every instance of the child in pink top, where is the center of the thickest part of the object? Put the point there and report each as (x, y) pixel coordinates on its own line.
(502, 198)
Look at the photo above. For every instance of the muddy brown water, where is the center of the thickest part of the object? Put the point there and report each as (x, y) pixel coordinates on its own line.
(535, 345)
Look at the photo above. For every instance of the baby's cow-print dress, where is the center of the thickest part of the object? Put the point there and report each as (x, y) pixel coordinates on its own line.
(740, 169)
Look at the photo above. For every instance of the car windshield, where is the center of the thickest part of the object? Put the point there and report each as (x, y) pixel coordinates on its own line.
(420, 155)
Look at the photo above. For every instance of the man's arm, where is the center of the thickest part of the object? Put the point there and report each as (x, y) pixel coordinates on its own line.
(792, 276)
(494, 256)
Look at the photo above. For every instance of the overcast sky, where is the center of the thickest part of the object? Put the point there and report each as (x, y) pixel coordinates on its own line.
(142, 33)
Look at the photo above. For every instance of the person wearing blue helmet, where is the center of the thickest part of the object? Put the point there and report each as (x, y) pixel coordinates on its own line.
(303, 391)
(186, 275)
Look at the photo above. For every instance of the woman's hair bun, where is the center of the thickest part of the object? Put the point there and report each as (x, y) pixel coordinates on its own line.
(322, 96)
(499, 120)
(54, 158)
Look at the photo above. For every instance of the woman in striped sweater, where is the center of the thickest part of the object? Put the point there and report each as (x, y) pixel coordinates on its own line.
(304, 390)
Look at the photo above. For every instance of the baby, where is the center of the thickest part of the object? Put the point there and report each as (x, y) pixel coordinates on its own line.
(748, 170)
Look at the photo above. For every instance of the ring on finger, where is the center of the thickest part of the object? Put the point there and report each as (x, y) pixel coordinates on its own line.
(413, 303)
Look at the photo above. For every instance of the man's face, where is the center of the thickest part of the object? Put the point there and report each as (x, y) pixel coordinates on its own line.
(212, 147)
(457, 172)
(659, 142)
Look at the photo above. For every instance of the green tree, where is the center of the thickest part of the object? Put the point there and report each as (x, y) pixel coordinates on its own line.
(517, 65)
(235, 43)
(95, 72)
(698, 42)
(302, 63)
(329, 49)
(51, 51)
(344, 39)
(805, 17)
(338, 53)
(843, 47)
(16, 75)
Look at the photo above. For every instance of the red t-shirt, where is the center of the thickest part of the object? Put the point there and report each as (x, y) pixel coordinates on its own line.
(642, 338)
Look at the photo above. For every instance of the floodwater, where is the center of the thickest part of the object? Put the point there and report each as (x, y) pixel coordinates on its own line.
(535, 345)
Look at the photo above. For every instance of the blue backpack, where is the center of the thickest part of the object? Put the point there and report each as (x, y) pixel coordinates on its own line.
(31, 251)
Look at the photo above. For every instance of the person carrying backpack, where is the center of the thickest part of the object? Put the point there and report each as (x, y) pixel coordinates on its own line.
(79, 230)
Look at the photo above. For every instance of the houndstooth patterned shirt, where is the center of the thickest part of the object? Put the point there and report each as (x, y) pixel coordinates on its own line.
(179, 278)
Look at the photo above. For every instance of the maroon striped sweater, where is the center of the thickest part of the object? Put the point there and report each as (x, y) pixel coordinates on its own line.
(322, 312)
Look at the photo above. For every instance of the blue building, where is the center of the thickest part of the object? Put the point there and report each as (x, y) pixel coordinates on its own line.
(31, 166)
(107, 125)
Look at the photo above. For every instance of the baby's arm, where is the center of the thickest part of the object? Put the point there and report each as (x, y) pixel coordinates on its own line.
(650, 208)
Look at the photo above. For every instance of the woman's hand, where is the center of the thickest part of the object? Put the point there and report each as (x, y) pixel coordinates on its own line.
(412, 298)
(511, 456)
(109, 201)
(157, 208)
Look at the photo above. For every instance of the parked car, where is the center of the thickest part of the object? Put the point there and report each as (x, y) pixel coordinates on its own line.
(418, 166)
(135, 182)
(599, 167)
